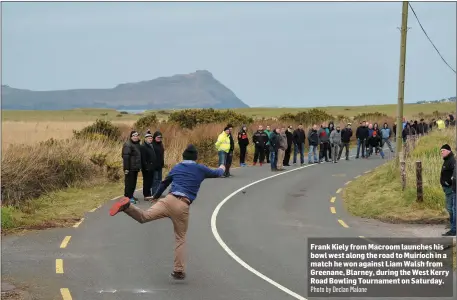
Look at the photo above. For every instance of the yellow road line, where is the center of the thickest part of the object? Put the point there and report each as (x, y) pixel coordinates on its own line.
(347, 182)
(59, 266)
(65, 241)
(65, 294)
(333, 199)
(339, 190)
(333, 210)
(343, 224)
(79, 223)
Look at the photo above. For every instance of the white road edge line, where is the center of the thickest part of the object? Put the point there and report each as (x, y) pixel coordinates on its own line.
(232, 254)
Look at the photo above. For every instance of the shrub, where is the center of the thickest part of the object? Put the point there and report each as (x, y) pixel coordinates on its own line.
(190, 118)
(100, 127)
(146, 122)
(124, 113)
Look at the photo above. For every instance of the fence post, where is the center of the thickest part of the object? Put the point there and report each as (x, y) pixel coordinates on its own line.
(420, 191)
(402, 171)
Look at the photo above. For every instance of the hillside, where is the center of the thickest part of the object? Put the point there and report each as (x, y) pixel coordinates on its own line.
(196, 90)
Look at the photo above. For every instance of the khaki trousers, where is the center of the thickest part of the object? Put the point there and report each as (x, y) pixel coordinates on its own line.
(175, 208)
(280, 159)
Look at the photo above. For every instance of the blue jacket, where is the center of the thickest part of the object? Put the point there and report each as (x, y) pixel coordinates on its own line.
(385, 133)
(186, 178)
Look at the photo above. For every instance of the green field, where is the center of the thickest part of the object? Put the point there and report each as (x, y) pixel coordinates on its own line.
(410, 111)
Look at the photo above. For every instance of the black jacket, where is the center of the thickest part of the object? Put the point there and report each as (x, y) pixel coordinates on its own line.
(260, 138)
(148, 158)
(374, 141)
(290, 138)
(313, 138)
(362, 133)
(232, 142)
(131, 156)
(243, 138)
(159, 151)
(447, 171)
(274, 142)
(299, 136)
(346, 135)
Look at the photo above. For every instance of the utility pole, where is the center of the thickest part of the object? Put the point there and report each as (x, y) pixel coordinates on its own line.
(401, 80)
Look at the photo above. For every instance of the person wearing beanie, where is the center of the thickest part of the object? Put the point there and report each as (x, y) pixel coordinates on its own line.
(185, 179)
(335, 142)
(447, 181)
(223, 145)
(148, 165)
(290, 141)
(131, 163)
(243, 142)
(346, 135)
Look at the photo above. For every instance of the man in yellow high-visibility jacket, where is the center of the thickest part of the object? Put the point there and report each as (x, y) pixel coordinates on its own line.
(440, 124)
(223, 145)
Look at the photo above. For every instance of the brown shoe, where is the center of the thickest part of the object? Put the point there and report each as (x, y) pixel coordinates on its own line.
(178, 275)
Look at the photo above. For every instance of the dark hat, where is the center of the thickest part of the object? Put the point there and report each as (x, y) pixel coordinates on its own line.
(133, 133)
(190, 153)
(446, 147)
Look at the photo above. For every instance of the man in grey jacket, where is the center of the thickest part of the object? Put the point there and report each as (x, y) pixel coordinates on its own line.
(324, 134)
(282, 149)
(335, 142)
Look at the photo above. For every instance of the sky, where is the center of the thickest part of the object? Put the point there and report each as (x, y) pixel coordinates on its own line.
(301, 54)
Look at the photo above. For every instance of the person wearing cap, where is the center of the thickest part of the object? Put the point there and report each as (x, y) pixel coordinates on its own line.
(185, 179)
(243, 142)
(447, 181)
(346, 135)
(131, 163)
(149, 163)
(223, 145)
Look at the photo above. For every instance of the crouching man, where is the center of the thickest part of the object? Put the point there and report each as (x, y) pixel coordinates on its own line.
(186, 178)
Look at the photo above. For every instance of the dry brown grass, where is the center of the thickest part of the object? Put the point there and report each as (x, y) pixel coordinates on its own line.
(29, 133)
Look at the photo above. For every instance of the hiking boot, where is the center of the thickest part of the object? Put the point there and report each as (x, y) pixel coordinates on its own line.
(449, 233)
(178, 275)
(119, 206)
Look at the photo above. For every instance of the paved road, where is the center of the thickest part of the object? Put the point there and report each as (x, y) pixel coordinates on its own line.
(265, 226)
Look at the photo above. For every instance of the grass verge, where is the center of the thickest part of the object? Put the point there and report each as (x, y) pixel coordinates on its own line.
(59, 208)
(378, 195)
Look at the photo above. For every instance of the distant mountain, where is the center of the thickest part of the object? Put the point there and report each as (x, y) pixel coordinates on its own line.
(196, 90)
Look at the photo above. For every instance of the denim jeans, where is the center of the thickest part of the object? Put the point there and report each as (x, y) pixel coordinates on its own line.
(450, 205)
(361, 144)
(156, 179)
(301, 149)
(312, 150)
(222, 157)
(273, 160)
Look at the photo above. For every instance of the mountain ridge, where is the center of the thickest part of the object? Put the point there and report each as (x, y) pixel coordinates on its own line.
(194, 90)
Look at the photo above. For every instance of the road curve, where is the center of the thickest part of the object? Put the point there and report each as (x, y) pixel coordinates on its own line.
(258, 252)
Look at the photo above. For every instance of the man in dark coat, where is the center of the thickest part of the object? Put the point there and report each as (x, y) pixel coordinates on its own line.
(148, 165)
(447, 181)
(299, 144)
(160, 154)
(131, 161)
(228, 162)
(290, 139)
(346, 135)
(260, 139)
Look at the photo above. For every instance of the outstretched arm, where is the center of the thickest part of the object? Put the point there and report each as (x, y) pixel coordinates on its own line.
(213, 173)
